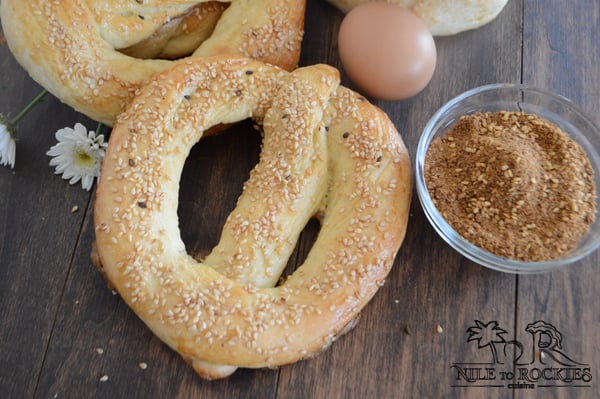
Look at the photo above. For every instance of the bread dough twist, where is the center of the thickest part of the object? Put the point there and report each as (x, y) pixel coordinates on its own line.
(71, 47)
(327, 152)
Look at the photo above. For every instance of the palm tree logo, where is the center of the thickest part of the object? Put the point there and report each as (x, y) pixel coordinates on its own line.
(546, 344)
(487, 334)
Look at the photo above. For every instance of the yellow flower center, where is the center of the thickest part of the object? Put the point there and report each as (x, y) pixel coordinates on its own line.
(83, 158)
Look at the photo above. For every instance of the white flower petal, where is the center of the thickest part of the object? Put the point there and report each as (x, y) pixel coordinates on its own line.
(8, 147)
(4, 139)
(81, 130)
(64, 134)
(87, 182)
(12, 153)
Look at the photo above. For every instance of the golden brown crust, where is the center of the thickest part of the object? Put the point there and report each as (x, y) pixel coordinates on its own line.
(443, 17)
(70, 47)
(325, 149)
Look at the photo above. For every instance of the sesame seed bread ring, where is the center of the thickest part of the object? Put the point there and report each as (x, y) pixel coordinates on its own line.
(71, 47)
(326, 151)
(443, 17)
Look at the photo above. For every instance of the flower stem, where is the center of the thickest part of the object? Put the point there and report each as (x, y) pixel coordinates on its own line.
(28, 108)
(99, 128)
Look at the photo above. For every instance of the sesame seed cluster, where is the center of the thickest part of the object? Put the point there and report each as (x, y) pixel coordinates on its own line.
(513, 184)
(327, 152)
(95, 55)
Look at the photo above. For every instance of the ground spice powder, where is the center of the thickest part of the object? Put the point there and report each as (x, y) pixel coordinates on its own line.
(513, 184)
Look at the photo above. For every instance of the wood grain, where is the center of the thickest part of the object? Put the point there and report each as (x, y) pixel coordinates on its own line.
(38, 233)
(63, 329)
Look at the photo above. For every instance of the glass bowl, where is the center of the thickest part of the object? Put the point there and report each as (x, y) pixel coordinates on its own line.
(510, 97)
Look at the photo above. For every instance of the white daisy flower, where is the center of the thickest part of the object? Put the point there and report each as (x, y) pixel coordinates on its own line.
(8, 127)
(78, 155)
(8, 145)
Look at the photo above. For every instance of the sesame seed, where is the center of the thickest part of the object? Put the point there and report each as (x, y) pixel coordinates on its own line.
(228, 301)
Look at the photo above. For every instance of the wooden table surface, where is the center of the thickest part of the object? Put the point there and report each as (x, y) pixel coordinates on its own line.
(57, 313)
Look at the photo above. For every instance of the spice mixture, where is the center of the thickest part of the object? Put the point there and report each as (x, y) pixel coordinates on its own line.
(513, 184)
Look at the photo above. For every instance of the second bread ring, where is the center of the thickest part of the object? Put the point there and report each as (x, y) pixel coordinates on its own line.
(92, 54)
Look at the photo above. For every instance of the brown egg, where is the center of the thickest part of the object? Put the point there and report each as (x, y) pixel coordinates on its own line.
(386, 50)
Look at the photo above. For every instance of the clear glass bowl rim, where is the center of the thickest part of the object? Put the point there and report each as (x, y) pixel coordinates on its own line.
(442, 227)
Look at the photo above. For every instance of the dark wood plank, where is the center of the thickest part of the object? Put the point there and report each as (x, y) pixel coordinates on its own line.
(92, 317)
(38, 232)
(396, 350)
(58, 311)
(562, 54)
